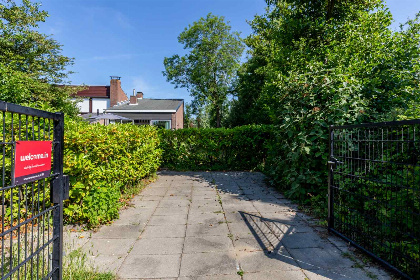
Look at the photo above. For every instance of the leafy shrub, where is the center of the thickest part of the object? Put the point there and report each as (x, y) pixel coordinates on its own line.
(103, 163)
(240, 148)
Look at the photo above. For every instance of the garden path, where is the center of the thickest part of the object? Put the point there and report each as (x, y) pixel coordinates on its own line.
(218, 225)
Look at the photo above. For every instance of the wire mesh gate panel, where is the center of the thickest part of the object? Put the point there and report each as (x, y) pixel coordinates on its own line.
(374, 191)
(31, 212)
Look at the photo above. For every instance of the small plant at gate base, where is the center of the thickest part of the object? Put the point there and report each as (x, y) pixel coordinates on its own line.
(77, 267)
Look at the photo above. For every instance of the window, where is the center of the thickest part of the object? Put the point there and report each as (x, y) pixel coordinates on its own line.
(142, 122)
(162, 124)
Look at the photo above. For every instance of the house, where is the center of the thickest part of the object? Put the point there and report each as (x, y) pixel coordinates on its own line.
(168, 113)
(98, 98)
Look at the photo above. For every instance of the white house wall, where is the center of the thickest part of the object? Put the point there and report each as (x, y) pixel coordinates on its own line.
(83, 105)
(100, 103)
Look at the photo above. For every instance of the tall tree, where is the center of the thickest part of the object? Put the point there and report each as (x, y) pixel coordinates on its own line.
(31, 63)
(209, 68)
(315, 63)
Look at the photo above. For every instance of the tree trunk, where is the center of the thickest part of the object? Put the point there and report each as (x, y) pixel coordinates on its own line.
(330, 8)
(218, 117)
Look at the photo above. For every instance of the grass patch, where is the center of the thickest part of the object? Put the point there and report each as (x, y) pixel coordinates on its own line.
(77, 267)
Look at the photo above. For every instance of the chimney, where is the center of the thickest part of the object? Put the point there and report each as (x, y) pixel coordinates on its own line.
(133, 99)
(140, 95)
(116, 94)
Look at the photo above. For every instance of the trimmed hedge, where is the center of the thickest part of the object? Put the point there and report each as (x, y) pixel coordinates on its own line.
(103, 163)
(240, 148)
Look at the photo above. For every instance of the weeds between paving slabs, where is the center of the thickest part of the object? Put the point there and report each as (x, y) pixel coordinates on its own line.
(75, 266)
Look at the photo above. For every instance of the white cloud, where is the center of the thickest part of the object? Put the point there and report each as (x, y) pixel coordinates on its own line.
(139, 84)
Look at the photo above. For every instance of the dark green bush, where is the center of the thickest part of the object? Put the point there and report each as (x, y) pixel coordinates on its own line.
(104, 162)
(240, 148)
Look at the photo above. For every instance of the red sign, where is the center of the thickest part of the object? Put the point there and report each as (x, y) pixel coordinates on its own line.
(32, 161)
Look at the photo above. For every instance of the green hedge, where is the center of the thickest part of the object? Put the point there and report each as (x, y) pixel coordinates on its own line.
(103, 163)
(240, 148)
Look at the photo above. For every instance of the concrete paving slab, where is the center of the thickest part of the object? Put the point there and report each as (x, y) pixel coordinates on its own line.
(174, 204)
(152, 198)
(341, 274)
(164, 231)
(202, 264)
(146, 204)
(278, 275)
(317, 258)
(137, 209)
(171, 211)
(240, 207)
(168, 220)
(119, 232)
(150, 191)
(107, 263)
(216, 208)
(175, 197)
(251, 244)
(272, 207)
(212, 277)
(106, 246)
(196, 217)
(158, 246)
(201, 229)
(303, 240)
(205, 244)
(132, 219)
(240, 230)
(260, 261)
(150, 266)
(119, 278)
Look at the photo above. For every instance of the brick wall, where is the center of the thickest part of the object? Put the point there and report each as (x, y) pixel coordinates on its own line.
(178, 118)
(116, 93)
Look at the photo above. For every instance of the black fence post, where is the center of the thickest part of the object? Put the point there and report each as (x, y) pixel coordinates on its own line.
(57, 189)
(331, 164)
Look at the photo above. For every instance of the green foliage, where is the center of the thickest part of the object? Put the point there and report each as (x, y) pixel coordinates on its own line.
(312, 65)
(105, 162)
(31, 63)
(241, 148)
(209, 69)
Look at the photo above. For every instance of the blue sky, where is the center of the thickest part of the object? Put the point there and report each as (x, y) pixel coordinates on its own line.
(130, 38)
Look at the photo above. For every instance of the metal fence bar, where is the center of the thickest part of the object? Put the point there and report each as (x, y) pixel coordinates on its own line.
(374, 191)
(57, 195)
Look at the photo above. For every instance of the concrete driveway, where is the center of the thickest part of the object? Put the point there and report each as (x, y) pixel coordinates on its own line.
(219, 225)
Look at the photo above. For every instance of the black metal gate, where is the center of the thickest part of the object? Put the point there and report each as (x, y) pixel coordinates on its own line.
(374, 191)
(31, 212)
